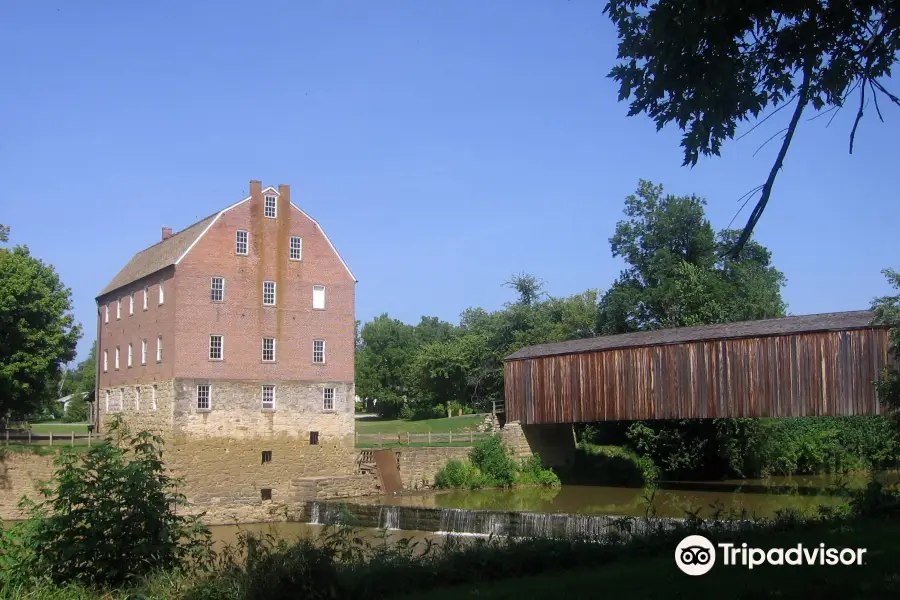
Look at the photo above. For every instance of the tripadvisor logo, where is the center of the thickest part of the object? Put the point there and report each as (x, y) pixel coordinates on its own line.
(696, 555)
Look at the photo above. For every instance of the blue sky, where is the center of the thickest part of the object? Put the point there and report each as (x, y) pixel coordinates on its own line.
(442, 145)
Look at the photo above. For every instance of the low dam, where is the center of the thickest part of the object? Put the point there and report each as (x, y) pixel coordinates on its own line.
(474, 522)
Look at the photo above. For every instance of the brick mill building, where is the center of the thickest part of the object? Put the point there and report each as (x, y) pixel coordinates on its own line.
(234, 339)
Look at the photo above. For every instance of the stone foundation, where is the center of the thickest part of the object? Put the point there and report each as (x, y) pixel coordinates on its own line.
(555, 443)
(20, 475)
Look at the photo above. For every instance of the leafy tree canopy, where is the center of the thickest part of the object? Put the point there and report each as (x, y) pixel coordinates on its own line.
(37, 330)
(708, 66)
(677, 274)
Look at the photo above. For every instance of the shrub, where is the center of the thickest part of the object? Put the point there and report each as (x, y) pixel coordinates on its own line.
(491, 465)
(109, 516)
(532, 472)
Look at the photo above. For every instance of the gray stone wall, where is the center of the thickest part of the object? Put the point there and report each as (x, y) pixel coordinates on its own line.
(236, 411)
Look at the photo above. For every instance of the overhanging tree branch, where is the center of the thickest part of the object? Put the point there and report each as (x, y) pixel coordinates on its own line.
(779, 161)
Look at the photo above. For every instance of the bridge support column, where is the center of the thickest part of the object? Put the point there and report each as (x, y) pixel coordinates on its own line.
(554, 443)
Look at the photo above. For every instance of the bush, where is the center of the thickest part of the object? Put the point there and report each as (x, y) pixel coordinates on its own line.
(494, 460)
(109, 518)
(76, 411)
(491, 465)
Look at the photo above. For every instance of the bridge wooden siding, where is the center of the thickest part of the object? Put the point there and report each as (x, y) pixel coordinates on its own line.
(787, 369)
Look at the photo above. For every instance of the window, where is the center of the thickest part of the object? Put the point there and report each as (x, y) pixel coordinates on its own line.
(119, 308)
(241, 242)
(159, 348)
(296, 248)
(144, 352)
(328, 399)
(129, 355)
(318, 351)
(319, 296)
(162, 294)
(116, 407)
(137, 398)
(266, 456)
(265, 494)
(146, 295)
(203, 397)
(268, 293)
(268, 349)
(271, 207)
(313, 438)
(117, 358)
(215, 347)
(131, 304)
(217, 289)
(106, 314)
(105, 361)
(268, 397)
(153, 398)
(106, 394)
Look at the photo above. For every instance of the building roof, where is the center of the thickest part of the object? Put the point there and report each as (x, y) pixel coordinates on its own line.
(170, 251)
(158, 256)
(859, 319)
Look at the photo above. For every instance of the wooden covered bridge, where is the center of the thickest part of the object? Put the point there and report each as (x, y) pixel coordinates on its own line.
(795, 366)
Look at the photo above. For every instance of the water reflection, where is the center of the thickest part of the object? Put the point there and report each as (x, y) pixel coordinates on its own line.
(753, 498)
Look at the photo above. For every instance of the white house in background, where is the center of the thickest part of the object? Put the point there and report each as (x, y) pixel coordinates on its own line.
(66, 399)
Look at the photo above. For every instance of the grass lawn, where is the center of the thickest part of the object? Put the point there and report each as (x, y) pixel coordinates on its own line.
(454, 424)
(394, 444)
(58, 427)
(658, 577)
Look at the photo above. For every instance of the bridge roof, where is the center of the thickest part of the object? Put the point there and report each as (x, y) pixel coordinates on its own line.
(859, 319)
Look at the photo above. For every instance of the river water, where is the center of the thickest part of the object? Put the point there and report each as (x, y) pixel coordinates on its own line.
(755, 497)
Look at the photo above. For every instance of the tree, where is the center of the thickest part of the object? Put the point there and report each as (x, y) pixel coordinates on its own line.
(887, 312)
(37, 330)
(708, 66)
(386, 349)
(677, 273)
(4, 233)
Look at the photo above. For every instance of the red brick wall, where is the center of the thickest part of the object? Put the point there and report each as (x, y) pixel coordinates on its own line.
(158, 319)
(243, 320)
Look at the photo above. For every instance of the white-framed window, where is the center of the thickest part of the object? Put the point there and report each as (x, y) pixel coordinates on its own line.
(106, 314)
(268, 397)
(129, 354)
(296, 248)
(146, 295)
(268, 293)
(144, 351)
(106, 396)
(162, 293)
(319, 351)
(204, 397)
(117, 358)
(105, 361)
(119, 308)
(215, 347)
(153, 398)
(319, 297)
(271, 210)
(268, 349)
(217, 289)
(121, 405)
(241, 242)
(328, 399)
(131, 304)
(137, 398)
(159, 348)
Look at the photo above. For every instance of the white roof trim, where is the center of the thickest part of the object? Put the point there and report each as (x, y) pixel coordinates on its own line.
(271, 190)
(333, 249)
(211, 223)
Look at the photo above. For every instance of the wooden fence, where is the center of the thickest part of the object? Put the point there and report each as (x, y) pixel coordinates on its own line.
(11, 436)
(423, 439)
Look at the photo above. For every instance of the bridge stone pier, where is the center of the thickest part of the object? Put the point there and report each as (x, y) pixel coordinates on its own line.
(554, 443)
